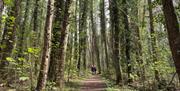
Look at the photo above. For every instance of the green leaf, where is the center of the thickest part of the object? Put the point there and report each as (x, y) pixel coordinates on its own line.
(10, 59)
(21, 59)
(23, 78)
(8, 2)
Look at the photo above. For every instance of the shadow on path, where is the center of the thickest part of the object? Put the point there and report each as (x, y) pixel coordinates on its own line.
(94, 83)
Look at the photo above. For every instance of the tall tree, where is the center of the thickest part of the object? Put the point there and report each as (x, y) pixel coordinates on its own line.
(47, 47)
(1, 10)
(116, 32)
(63, 45)
(1, 7)
(36, 30)
(95, 49)
(173, 32)
(103, 31)
(127, 39)
(54, 63)
(138, 45)
(83, 7)
(22, 43)
(35, 15)
(153, 39)
(8, 39)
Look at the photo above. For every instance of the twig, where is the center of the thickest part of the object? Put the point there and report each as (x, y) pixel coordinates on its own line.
(172, 79)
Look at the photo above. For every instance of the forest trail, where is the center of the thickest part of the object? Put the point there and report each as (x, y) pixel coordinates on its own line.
(94, 83)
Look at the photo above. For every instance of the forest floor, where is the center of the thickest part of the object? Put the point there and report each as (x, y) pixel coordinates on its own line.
(94, 83)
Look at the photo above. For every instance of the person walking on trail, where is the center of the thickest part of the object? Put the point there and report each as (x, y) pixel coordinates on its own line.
(93, 69)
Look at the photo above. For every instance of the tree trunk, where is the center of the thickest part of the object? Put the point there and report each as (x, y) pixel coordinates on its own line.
(1, 5)
(22, 43)
(63, 45)
(153, 40)
(103, 31)
(95, 40)
(76, 55)
(127, 39)
(36, 12)
(116, 33)
(36, 32)
(1, 10)
(8, 39)
(82, 32)
(141, 70)
(173, 32)
(54, 63)
(47, 47)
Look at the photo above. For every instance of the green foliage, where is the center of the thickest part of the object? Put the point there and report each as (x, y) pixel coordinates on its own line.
(50, 85)
(12, 18)
(9, 59)
(34, 51)
(159, 18)
(9, 2)
(23, 78)
(2, 46)
(3, 18)
(156, 3)
(21, 59)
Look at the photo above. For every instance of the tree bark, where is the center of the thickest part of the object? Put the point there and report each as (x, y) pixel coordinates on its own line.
(8, 39)
(1, 5)
(35, 15)
(116, 33)
(141, 69)
(1, 10)
(36, 31)
(63, 45)
(173, 32)
(153, 40)
(82, 32)
(22, 43)
(47, 47)
(127, 39)
(54, 63)
(103, 31)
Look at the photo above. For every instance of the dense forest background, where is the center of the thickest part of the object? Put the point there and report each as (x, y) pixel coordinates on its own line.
(47, 44)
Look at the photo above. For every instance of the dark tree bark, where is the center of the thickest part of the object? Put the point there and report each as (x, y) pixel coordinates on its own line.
(79, 47)
(36, 31)
(76, 35)
(116, 33)
(8, 39)
(127, 39)
(63, 45)
(1, 9)
(54, 63)
(103, 31)
(47, 47)
(173, 32)
(1, 5)
(35, 16)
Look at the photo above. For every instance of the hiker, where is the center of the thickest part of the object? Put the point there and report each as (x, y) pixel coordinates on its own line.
(93, 69)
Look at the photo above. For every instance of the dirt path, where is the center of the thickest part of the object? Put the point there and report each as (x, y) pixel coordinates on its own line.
(93, 84)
